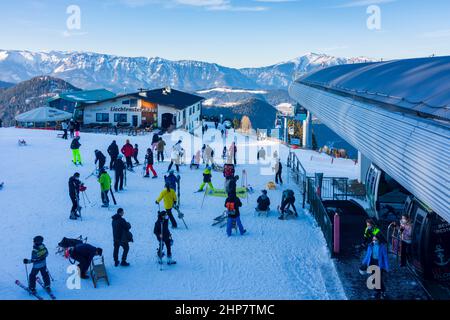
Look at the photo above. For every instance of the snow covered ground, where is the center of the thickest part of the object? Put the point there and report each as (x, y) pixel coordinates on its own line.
(275, 260)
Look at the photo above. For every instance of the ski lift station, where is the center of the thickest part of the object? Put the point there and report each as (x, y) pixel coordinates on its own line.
(397, 115)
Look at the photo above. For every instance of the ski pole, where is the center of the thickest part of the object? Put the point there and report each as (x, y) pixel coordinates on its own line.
(26, 271)
(50, 275)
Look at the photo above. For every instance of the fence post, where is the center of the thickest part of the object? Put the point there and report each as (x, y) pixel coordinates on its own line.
(337, 233)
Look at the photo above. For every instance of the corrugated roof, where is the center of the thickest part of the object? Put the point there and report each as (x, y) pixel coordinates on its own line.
(174, 98)
(417, 85)
(86, 96)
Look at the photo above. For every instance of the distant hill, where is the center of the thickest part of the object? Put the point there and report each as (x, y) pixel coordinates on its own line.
(6, 85)
(262, 115)
(29, 95)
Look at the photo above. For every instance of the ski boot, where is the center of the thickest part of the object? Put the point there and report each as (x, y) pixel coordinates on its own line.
(155, 177)
(170, 261)
(147, 176)
(124, 264)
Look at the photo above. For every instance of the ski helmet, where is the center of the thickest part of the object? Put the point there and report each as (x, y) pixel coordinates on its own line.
(38, 240)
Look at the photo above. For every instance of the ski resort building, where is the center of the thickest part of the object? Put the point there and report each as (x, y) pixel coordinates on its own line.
(397, 115)
(164, 108)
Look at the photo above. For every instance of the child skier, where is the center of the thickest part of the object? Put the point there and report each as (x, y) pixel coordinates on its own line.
(105, 186)
(206, 179)
(232, 203)
(38, 259)
(162, 233)
(135, 155)
(149, 164)
(75, 146)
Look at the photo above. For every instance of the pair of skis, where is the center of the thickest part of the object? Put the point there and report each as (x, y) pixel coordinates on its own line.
(177, 207)
(36, 295)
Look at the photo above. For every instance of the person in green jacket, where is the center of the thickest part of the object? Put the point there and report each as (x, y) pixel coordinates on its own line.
(105, 186)
(370, 231)
(206, 179)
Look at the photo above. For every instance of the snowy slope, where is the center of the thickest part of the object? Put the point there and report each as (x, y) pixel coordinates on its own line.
(275, 260)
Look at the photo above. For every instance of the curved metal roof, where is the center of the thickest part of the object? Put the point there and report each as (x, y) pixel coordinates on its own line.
(416, 85)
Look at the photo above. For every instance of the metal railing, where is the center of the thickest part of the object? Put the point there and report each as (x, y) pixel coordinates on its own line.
(320, 214)
(298, 173)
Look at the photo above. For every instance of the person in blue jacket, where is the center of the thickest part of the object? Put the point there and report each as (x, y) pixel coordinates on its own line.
(39, 261)
(377, 255)
(172, 180)
(84, 253)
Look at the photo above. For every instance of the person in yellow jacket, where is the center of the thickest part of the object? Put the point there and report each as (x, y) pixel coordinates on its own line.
(105, 186)
(170, 199)
(206, 179)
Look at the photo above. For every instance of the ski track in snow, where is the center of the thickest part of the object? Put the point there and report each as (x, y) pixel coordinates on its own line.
(275, 260)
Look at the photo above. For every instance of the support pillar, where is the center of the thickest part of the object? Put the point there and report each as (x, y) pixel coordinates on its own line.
(307, 131)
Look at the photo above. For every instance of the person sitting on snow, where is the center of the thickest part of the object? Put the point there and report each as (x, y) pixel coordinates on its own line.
(263, 202)
(206, 179)
(288, 200)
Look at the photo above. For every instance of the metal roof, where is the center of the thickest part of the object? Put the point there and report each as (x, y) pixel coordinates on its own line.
(420, 86)
(86, 96)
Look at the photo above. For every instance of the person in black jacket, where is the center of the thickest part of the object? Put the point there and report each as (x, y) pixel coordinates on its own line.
(100, 158)
(263, 202)
(122, 236)
(75, 146)
(135, 154)
(149, 161)
(119, 168)
(84, 253)
(113, 151)
(231, 185)
(74, 194)
(233, 203)
(162, 233)
(38, 259)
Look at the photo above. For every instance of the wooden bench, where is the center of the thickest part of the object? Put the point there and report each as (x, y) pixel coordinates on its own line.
(98, 271)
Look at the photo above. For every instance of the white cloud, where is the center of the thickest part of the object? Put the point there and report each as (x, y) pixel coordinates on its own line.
(362, 3)
(210, 5)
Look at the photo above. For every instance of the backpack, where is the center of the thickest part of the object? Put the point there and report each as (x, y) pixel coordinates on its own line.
(68, 242)
(228, 171)
(230, 207)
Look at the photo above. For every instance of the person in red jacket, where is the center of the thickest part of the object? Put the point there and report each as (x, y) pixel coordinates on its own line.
(128, 152)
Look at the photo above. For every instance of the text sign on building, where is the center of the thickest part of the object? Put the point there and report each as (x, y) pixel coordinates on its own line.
(125, 109)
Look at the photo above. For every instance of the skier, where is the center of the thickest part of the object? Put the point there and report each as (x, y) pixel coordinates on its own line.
(65, 127)
(39, 260)
(377, 255)
(233, 203)
(370, 231)
(161, 230)
(261, 154)
(160, 150)
(278, 171)
(113, 151)
(171, 180)
(128, 151)
(175, 156)
(288, 200)
(206, 179)
(122, 236)
(119, 169)
(105, 186)
(76, 127)
(75, 146)
(209, 155)
(224, 153)
(233, 152)
(149, 164)
(263, 202)
(84, 253)
(135, 154)
(155, 140)
(170, 199)
(71, 128)
(74, 194)
(100, 158)
(231, 185)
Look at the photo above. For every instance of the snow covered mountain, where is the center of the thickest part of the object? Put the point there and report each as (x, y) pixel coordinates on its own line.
(92, 70)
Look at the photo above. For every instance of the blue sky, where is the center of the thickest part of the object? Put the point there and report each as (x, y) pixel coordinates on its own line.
(235, 33)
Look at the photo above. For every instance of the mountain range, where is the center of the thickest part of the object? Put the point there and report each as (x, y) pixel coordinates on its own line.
(89, 70)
